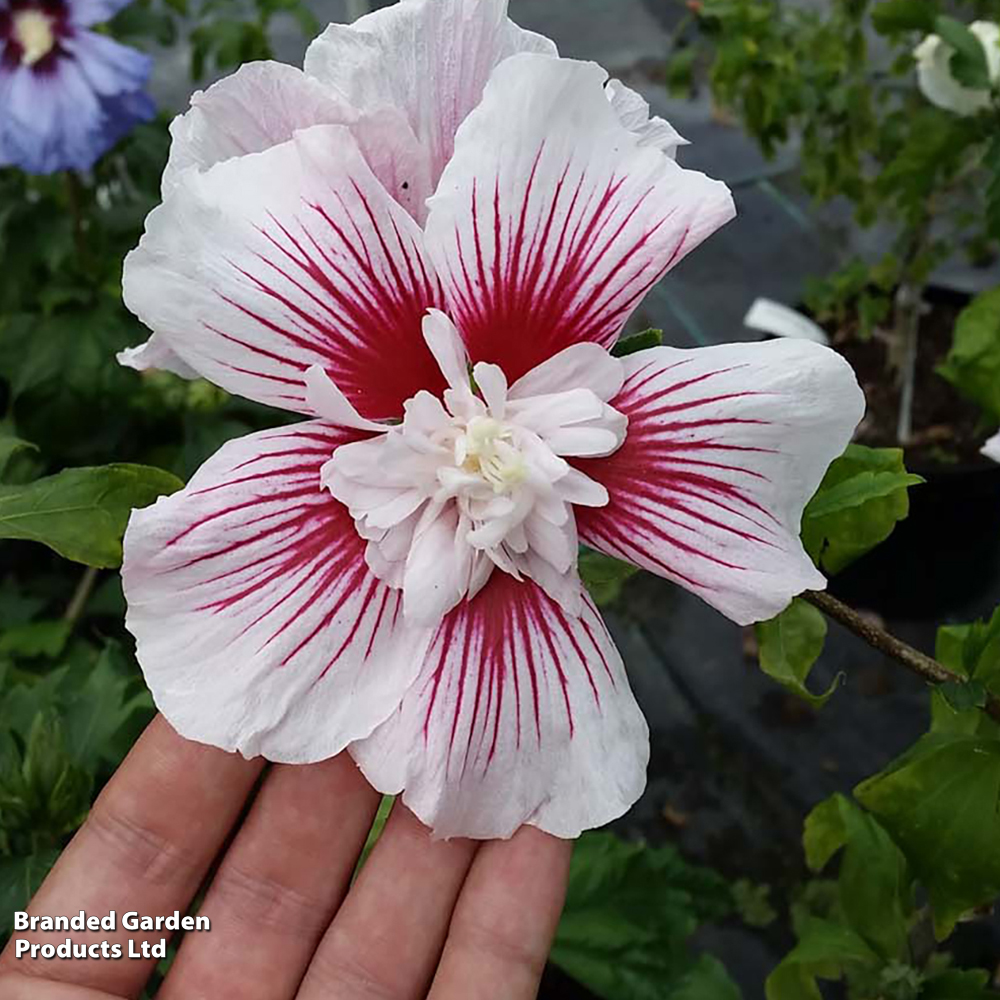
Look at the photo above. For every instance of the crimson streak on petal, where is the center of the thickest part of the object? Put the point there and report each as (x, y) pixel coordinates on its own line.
(250, 587)
(725, 446)
(267, 264)
(546, 234)
(521, 714)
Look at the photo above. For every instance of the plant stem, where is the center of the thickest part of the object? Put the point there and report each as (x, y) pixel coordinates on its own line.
(908, 304)
(878, 638)
(80, 596)
(356, 9)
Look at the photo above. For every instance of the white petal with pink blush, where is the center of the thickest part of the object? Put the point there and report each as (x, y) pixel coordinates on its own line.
(428, 242)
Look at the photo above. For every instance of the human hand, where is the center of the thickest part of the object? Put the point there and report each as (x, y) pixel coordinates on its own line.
(447, 920)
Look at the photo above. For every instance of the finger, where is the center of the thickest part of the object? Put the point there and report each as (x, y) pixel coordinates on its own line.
(505, 920)
(387, 937)
(14, 986)
(278, 886)
(145, 847)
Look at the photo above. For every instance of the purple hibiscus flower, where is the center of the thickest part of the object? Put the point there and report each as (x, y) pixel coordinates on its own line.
(67, 94)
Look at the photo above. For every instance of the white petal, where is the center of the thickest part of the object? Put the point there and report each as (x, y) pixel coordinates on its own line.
(261, 105)
(550, 222)
(583, 442)
(633, 112)
(545, 414)
(725, 447)
(556, 545)
(521, 714)
(992, 448)
(445, 343)
(580, 366)
(934, 76)
(327, 401)
(155, 354)
(428, 58)
(577, 488)
(259, 628)
(433, 582)
(267, 264)
(493, 385)
(988, 34)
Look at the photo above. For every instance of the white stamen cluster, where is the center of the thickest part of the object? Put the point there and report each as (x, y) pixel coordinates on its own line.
(478, 480)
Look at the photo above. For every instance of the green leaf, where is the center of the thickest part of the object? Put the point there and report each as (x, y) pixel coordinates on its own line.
(20, 878)
(98, 710)
(753, 903)
(707, 980)
(963, 695)
(862, 497)
(82, 513)
(637, 342)
(969, 65)
(789, 647)
(11, 446)
(874, 882)
(859, 490)
(940, 802)
(378, 825)
(958, 984)
(41, 638)
(973, 651)
(825, 951)
(604, 576)
(973, 363)
(629, 911)
(892, 16)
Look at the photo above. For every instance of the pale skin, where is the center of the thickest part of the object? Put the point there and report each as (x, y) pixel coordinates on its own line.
(443, 920)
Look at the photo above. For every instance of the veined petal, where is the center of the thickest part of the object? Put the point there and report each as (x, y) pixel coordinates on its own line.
(581, 366)
(267, 264)
(154, 354)
(109, 67)
(263, 104)
(259, 627)
(325, 398)
(259, 106)
(633, 112)
(445, 343)
(89, 12)
(725, 447)
(521, 714)
(551, 222)
(428, 58)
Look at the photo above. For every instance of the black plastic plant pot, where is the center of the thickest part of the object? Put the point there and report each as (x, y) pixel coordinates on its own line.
(942, 559)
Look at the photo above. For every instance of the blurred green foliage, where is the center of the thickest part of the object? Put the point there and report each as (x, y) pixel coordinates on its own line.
(838, 82)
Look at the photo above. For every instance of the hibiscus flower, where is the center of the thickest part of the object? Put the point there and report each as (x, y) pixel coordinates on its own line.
(67, 94)
(934, 55)
(427, 243)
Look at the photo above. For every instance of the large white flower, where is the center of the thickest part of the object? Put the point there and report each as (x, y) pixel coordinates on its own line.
(934, 75)
(427, 243)
(992, 448)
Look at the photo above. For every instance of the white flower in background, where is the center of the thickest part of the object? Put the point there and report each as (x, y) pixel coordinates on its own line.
(426, 243)
(933, 57)
(992, 448)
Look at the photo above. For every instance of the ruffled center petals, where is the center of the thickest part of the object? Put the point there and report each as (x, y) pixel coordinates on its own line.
(478, 480)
